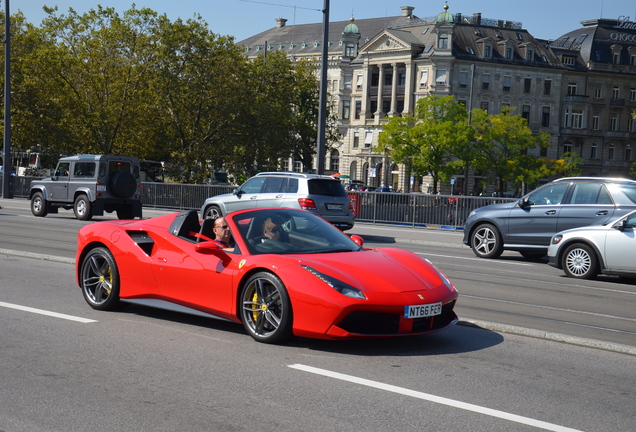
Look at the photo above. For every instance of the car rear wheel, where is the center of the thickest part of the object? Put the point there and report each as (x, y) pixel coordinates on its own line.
(212, 212)
(38, 205)
(265, 309)
(486, 241)
(579, 261)
(83, 208)
(99, 279)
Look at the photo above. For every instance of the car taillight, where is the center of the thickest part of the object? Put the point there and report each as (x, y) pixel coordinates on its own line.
(307, 204)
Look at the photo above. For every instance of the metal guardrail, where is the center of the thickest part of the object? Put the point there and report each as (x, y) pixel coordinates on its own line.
(408, 209)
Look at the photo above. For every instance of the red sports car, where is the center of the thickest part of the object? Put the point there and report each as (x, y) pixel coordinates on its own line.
(288, 272)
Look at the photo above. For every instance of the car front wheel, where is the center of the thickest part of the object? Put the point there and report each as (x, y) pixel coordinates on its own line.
(486, 241)
(83, 208)
(579, 261)
(38, 205)
(99, 279)
(265, 309)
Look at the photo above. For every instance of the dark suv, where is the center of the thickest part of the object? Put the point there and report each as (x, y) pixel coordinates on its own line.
(527, 225)
(320, 194)
(90, 185)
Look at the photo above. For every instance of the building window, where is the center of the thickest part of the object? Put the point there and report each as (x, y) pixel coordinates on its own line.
(529, 55)
(484, 105)
(463, 79)
(545, 117)
(508, 53)
(347, 82)
(424, 79)
(487, 51)
(594, 151)
(569, 61)
(598, 92)
(628, 152)
(596, 122)
(505, 105)
(402, 79)
(335, 160)
(388, 79)
(346, 109)
(572, 89)
(577, 119)
(616, 91)
(350, 50)
(507, 83)
(614, 124)
(632, 94)
(353, 170)
(525, 112)
(298, 166)
(440, 77)
(630, 124)
(485, 81)
(616, 58)
(632, 60)
(547, 87)
(358, 110)
(527, 85)
(359, 82)
(368, 139)
(611, 152)
(356, 139)
(442, 41)
(567, 148)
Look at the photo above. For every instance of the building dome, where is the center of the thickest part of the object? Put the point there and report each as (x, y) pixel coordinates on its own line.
(351, 28)
(445, 17)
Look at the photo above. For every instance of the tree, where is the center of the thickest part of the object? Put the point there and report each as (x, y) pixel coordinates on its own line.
(501, 142)
(428, 139)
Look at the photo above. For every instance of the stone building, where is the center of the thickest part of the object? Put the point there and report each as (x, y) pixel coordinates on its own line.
(580, 88)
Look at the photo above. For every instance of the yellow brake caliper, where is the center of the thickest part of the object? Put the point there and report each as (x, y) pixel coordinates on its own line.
(255, 307)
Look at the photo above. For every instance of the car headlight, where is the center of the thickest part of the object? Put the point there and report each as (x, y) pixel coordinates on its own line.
(340, 286)
(556, 239)
(447, 282)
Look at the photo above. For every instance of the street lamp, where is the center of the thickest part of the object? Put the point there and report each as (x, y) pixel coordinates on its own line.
(6, 175)
(322, 107)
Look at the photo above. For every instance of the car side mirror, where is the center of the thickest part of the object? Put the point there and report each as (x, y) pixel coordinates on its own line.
(621, 225)
(237, 192)
(212, 248)
(357, 240)
(524, 203)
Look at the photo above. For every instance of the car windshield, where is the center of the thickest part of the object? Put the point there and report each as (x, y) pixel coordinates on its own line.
(287, 231)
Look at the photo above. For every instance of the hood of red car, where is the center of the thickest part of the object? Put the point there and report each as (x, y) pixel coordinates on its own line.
(385, 269)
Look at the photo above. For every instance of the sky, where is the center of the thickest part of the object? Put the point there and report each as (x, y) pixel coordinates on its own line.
(245, 18)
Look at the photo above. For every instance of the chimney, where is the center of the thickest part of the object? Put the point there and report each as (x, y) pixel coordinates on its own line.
(280, 22)
(477, 18)
(458, 18)
(407, 11)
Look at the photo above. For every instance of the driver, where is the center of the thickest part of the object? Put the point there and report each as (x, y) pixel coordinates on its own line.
(271, 230)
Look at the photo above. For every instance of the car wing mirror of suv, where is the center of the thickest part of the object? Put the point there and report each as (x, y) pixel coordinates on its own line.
(524, 203)
(237, 192)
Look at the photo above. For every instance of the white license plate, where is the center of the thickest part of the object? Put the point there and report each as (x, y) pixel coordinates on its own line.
(335, 207)
(100, 188)
(422, 311)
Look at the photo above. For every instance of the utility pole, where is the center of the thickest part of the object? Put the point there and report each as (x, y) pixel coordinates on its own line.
(6, 176)
(322, 107)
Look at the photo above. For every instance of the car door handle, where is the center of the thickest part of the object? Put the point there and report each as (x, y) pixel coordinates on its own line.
(254, 197)
(602, 213)
(279, 196)
(550, 212)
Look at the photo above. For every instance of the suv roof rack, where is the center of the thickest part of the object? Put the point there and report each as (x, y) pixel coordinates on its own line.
(293, 174)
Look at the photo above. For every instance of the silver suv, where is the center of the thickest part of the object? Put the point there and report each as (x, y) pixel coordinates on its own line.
(320, 194)
(527, 225)
(90, 185)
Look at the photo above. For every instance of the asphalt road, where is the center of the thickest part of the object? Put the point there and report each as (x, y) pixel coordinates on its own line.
(67, 367)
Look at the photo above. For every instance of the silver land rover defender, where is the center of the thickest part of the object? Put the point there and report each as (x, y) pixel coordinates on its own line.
(90, 185)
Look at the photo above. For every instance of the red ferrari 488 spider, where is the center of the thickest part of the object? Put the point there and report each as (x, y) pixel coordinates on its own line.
(288, 272)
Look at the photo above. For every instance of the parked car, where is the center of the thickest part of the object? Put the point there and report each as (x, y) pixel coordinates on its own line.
(528, 224)
(323, 195)
(90, 185)
(312, 280)
(585, 252)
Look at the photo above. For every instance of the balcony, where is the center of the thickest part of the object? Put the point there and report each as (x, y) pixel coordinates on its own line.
(575, 99)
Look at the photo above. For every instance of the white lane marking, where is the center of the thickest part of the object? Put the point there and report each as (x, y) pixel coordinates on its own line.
(472, 259)
(47, 313)
(436, 399)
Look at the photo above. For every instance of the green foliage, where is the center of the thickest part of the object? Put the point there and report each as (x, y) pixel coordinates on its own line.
(139, 84)
(430, 140)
